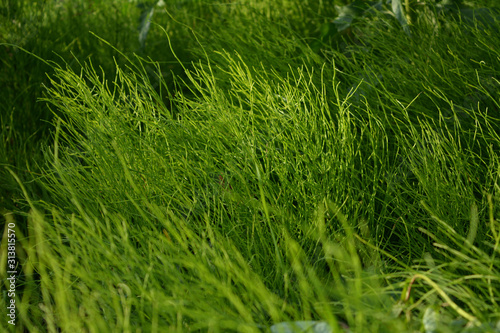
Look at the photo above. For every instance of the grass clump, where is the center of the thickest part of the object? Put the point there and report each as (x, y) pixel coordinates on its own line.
(270, 185)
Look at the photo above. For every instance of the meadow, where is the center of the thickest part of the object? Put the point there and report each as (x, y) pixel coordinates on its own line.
(250, 166)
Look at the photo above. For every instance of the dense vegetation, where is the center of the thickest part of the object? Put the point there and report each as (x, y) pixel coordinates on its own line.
(234, 165)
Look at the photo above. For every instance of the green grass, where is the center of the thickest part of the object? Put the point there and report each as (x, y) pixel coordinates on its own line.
(244, 169)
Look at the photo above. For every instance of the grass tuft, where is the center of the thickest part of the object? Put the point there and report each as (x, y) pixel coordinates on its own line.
(235, 168)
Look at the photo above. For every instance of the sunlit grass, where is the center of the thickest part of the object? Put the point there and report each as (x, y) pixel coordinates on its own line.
(266, 182)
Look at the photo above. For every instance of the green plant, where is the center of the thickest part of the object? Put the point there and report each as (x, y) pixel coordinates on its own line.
(262, 186)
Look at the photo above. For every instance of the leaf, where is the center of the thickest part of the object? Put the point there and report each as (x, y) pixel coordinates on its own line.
(301, 327)
(397, 9)
(355, 10)
(347, 13)
(145, 23)
(430, 320)
(343, 22)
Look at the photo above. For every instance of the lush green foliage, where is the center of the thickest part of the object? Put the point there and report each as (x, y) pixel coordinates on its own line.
(237, 165)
